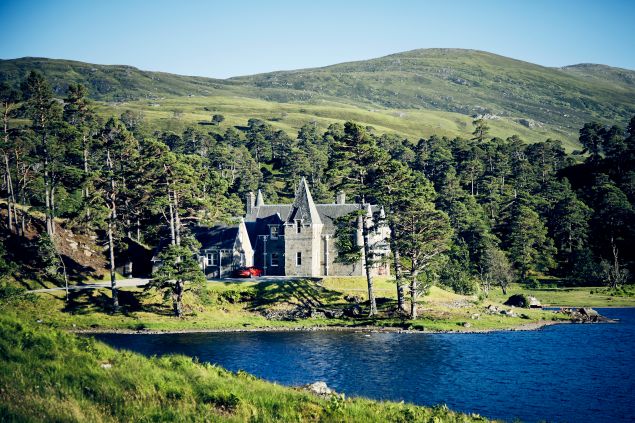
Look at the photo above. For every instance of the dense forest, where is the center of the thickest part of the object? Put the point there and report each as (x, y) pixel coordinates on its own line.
(465, 213)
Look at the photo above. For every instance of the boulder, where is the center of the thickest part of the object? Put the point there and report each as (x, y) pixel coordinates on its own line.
(585, 315)
(353, 311)
(491, 309)
(320, 389)
(353, 299)
(533, 302)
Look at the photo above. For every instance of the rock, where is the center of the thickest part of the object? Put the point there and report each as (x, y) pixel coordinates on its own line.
(467, 325)
(475, 316)
(491, 309)
(353, 311)
(589, 312)
(585, 315)
(353, 299)
(316, 314)
(333, 314)
(529, 123)
(73, 245)
(508, 313)
(320, 389)
(106, 365)
(533, 302)
(87, 253)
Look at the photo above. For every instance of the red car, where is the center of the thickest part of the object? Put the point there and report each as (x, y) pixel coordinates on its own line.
(247, 272)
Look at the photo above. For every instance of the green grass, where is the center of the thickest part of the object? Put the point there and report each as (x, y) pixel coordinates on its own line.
(49, 375)
(571, 297)
(410, 123)
(240, 305)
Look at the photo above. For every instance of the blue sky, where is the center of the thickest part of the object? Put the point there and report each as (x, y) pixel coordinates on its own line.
(230, 38)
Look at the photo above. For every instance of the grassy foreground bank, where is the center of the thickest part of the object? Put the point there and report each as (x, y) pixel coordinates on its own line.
(50, 375)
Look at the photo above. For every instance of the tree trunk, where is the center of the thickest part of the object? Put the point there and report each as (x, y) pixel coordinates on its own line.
(178, 298)
(47, 190)
(368, 268)
(52, 206)
(10, 195)
(177, 219)
(111, 243)
(413, 298)
(85, 190)
(172, 228)
(400, 288)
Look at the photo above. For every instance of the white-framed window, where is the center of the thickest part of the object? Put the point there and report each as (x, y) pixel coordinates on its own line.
(274, 230)
(298, 258)
(212, 259)
(275, 259)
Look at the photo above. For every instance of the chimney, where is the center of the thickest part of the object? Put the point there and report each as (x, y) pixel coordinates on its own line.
(341, 198)
(251, 202)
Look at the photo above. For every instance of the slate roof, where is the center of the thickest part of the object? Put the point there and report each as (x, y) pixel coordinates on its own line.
(265, 214)
(217, 237)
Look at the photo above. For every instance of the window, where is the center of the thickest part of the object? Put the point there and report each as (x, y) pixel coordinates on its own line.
(212, 259)
(298, 258)
(273, 231)
(298, 226)
(275, 260)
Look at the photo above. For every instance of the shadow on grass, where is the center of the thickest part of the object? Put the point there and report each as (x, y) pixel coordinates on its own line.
(95, 300)
(303, 293)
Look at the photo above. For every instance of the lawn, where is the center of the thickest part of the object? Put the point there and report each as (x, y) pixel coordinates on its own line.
(253, 305)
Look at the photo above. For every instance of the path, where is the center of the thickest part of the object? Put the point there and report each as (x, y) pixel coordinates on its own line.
(132, 282)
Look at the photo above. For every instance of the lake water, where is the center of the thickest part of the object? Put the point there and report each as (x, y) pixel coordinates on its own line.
(562, 373)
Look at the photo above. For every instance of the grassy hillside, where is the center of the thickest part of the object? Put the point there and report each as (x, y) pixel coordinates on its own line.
(48, 375)
(416, 93)
(464, 81)
(108, 83)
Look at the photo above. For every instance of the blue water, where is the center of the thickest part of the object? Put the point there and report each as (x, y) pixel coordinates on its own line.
(562, 373)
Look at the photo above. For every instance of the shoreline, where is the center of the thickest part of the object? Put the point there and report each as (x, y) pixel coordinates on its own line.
(360, 329)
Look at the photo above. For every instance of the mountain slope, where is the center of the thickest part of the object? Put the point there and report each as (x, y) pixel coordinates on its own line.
(108, 82)
(414, 93)
(464, 81)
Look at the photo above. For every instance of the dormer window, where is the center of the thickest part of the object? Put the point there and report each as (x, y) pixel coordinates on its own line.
(298, 226)
(274, 231)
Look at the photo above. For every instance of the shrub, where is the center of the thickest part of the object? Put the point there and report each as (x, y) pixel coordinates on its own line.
(517, 300)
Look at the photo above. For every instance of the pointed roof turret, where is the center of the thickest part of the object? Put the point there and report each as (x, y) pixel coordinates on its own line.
(260, 200)
(303, 206)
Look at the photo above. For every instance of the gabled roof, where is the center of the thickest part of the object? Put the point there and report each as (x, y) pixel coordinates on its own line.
(303, 207)
(220, 237)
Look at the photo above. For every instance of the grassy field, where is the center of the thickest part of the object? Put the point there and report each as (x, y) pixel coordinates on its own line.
(49, 375)
(254, 305)
(410, 123)
(572, 297)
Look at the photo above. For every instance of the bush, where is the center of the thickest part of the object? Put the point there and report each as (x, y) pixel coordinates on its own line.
(517, 300)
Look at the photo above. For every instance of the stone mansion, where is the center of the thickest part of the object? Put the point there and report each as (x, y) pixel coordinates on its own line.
(290, 239)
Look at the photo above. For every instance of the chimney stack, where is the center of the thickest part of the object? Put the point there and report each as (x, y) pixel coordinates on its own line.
(341, 198)
(251, 202)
